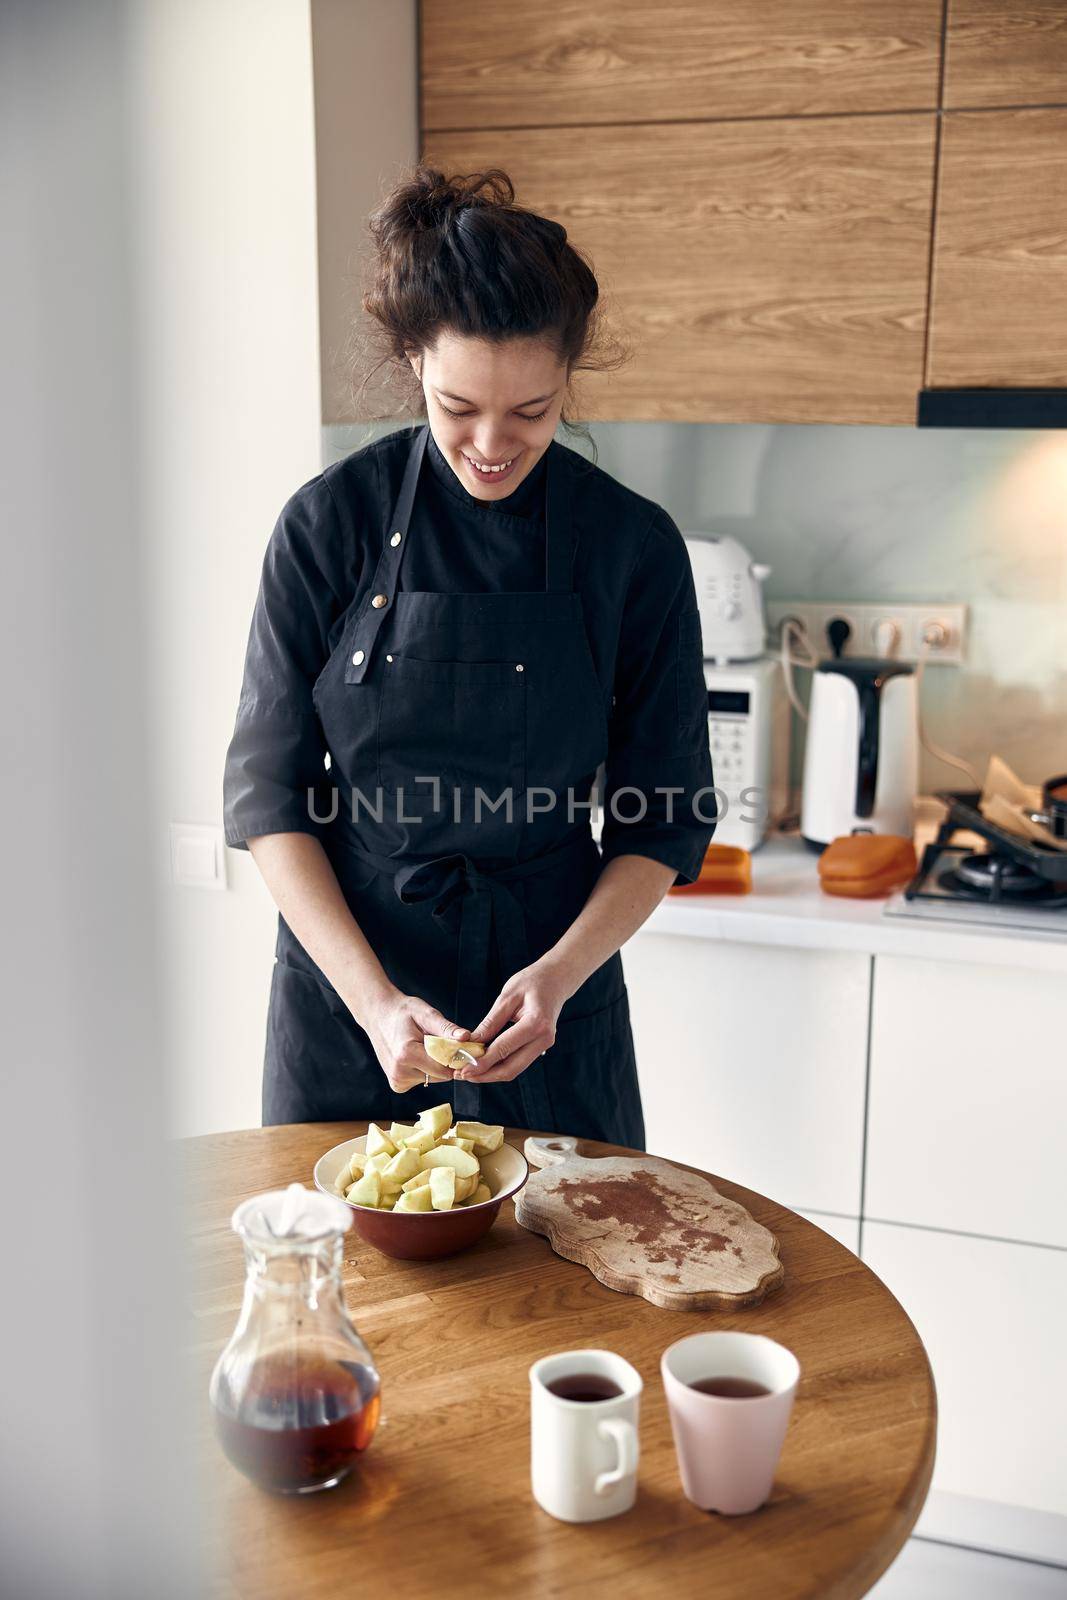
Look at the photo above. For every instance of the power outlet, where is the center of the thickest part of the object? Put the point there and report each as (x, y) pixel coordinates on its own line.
(905, 632)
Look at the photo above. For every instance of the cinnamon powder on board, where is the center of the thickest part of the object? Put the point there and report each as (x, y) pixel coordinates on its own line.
(659, 1220)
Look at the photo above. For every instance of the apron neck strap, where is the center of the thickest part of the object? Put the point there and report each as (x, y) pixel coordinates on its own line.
(559, 527)
(405, 500)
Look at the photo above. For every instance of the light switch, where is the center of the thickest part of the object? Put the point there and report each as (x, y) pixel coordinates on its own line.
(197, 855)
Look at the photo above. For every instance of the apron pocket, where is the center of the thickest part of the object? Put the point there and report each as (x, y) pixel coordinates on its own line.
(463, 722)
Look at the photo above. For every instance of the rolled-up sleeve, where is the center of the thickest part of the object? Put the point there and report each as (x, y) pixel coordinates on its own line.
(275, 763)
(657, 784)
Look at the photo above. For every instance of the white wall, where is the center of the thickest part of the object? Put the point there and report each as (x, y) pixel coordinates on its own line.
(227, 289)
(98, 1484)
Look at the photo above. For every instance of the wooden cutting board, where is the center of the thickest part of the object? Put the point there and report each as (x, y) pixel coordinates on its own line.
(644, 1226)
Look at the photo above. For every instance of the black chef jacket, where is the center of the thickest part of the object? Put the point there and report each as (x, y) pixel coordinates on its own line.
(635, 581)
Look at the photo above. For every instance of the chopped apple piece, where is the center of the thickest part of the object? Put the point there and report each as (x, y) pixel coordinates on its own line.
(421, 1141)
(367, 1191)
(481, 1195)
(447, 1155)
(437, 1119)
(457, 1144)
(352, 1169)
(389, 1199)
(379, 1162)
(403, 1166)
(485, 1138)
(378, 1141)
(415, 1200)
(443, 1188)
(419, 1181)
(400, 1131)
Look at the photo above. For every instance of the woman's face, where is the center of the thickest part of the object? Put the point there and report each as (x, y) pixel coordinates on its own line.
(491, 405)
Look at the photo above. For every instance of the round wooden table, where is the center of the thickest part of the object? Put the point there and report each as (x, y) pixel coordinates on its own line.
(441, 1504)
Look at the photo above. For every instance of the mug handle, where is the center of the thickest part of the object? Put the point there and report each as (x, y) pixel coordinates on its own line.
(625, 1437)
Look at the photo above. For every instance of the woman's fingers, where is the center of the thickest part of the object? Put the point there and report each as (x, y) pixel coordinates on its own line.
(512, 1067)
(427, 1018)
(413, 1059)
(525, 1039)
(499, 1014)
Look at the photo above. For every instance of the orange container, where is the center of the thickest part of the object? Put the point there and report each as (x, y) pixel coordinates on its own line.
(865, 865)
(726, 869)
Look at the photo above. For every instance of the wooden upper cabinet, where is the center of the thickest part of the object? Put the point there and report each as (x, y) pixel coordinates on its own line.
(769, 271)
(1000, 252)
(1005, 53)
(607, 61)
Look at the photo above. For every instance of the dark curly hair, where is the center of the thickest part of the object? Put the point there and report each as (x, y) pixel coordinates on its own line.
(457, 255)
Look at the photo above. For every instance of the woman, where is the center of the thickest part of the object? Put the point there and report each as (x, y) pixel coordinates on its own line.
(456, 626)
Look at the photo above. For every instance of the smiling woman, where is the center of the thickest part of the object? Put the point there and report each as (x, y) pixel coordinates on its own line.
(494, 276)
(490, 438)
(470, 621)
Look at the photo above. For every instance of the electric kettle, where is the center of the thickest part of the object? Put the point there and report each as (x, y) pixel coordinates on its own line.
(861, 760)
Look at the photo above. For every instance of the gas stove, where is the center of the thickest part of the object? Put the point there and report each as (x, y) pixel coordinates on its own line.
(1008, 882)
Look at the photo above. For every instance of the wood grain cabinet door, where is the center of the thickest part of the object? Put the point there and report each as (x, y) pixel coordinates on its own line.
(597, 61)
(772, 270)
(1005, 53)
(1000, 252)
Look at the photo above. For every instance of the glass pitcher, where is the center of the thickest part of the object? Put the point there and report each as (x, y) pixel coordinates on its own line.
(295, 1393)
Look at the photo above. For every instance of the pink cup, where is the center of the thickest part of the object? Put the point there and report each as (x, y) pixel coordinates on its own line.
(728, 1449)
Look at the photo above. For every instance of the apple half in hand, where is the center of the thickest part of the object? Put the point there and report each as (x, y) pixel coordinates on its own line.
(445, 1051)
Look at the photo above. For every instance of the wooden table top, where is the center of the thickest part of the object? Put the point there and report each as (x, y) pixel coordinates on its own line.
(442, 1499)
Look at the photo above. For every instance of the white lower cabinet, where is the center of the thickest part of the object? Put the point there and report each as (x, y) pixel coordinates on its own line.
(752, 1061)
(991, 1316)
(756, 1062)
(968, 1099)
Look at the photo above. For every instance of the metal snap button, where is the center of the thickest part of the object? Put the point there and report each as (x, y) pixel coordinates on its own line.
(357, 659)
(379, 601)
(519, 667)
(388, 658)
(396, 537)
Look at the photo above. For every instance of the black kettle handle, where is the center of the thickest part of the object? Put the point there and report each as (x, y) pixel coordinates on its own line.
(870, 694)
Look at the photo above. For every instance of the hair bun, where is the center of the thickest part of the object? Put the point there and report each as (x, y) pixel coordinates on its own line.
(432, 199)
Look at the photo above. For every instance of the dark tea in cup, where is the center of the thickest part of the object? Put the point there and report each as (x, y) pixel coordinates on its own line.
(729, 1388)
(587, 1386)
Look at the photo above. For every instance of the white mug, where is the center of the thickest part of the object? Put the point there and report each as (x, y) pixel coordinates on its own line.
(583, 1453)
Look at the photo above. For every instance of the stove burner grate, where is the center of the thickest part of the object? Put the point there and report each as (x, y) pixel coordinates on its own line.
(993, 877)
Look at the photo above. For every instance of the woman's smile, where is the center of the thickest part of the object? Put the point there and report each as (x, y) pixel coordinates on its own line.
(494, 472)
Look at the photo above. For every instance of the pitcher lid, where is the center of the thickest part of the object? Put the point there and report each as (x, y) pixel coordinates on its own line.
(291, 1214)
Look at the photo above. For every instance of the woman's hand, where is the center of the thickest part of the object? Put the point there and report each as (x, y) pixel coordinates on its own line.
(531, 1000)
(395, 1027)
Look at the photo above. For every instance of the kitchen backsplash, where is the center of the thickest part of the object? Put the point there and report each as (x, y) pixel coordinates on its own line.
(880, 514)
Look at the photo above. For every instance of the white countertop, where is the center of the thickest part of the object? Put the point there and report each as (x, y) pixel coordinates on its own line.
(787, 907)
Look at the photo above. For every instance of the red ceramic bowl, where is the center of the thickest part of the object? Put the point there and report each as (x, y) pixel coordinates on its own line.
(426, 1235)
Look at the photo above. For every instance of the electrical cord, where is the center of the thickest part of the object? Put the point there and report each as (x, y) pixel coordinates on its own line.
(792, 625)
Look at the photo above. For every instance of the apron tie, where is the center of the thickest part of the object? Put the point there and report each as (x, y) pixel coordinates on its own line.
(486, 910)
(484, 907)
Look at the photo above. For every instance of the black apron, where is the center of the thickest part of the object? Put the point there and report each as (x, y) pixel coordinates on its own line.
(426, 695)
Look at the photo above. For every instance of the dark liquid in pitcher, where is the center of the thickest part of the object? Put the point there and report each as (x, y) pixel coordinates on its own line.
(584, 1386)
(301, 1427)
(730, 1388)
